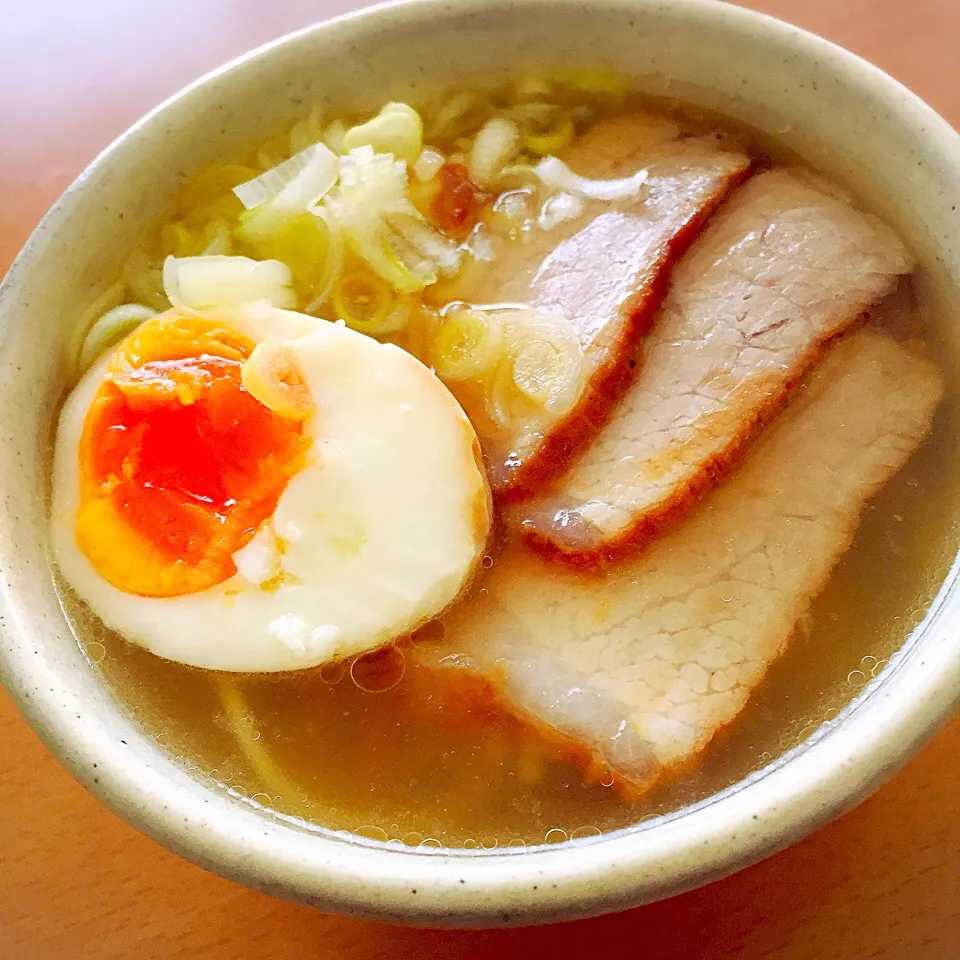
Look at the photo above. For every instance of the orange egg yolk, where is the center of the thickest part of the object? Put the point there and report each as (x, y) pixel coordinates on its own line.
(179, 465)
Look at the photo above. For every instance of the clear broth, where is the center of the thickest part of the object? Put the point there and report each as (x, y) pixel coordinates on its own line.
(405, 765)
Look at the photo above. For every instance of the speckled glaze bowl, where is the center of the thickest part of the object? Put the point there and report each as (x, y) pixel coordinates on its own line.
(849, 118)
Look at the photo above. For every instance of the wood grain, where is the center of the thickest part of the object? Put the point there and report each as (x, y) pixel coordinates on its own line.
(882, 883)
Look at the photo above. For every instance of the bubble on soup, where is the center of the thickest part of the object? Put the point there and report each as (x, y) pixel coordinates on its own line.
(584, 833)
(879, 667)
(372, 832)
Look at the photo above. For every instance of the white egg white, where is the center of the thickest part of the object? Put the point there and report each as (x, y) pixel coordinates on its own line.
(381, 530)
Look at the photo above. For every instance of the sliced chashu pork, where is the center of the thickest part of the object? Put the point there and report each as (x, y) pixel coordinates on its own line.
(780, 270)
(645, 664)
(604, 271)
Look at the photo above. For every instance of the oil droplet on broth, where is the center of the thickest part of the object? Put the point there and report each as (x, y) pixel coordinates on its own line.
(95, 651)
(333, 673)
(379, 671)
(433, 631)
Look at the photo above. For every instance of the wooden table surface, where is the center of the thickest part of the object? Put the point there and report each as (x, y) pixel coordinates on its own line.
(75, 882)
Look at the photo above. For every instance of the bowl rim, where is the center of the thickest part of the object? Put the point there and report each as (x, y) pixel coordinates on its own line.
(831, 771)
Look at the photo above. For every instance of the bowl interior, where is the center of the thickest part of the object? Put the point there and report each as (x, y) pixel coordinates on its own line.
(845, 117)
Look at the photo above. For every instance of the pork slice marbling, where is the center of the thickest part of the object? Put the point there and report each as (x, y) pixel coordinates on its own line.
(781, 270)
(645, 664)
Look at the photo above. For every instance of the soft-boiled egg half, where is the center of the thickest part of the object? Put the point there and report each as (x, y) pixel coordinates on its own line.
(257, 490)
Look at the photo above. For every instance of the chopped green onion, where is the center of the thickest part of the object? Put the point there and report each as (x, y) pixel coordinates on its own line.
(381, 225)
(555, 173)
(544, 370)
(203, 282)
(504, 405)
(218, 239)
(442, 252)
(459, 115)
(302, 244)
(110, 329)
(495, 145)
(366, 302)
(547, 364)
(311, 173)
(536, 116)
(178, 240)
(400, 266)
(428, 164)
(272, 376)
(553, 139)
(332, 262)
(397, 129)
(537, 365)
(333, 136)
(532, 87)
(107, 300)
(110, 298)
(281, 194)
(466, 344)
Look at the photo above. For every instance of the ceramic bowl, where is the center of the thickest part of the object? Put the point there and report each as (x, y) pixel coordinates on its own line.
(850, 119)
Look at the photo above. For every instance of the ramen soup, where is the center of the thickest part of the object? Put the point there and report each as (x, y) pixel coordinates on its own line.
(510, 468)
